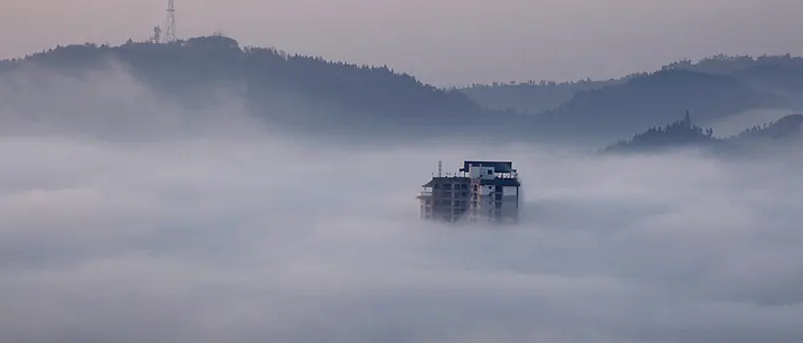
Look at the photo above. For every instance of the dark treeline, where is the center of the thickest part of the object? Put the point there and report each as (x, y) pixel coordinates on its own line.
(531, 97)
(784, 128)
(680, 133)
(724, 64)
(684, 133)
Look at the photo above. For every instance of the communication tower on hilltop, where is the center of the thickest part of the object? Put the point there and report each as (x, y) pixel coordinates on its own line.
(170, 27)
(157, 34)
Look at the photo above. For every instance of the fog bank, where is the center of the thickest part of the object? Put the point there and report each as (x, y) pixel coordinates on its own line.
(125, 218)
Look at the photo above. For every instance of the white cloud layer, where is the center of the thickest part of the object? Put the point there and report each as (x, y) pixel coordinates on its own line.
(195, 227)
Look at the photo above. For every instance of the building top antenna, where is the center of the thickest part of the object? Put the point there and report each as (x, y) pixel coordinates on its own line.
(440, 168)
(170, 31)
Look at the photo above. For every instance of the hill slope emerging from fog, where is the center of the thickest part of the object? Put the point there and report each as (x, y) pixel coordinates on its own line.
(296, 93)
(781, 74)
(713, 88)
(291, 91)
(780, 134)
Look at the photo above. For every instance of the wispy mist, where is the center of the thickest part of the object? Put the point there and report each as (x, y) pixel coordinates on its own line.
(198, 227)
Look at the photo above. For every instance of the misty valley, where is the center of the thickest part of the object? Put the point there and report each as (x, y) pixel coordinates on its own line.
(201, 190)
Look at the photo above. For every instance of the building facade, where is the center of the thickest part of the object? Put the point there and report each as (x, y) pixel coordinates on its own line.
(482, 191)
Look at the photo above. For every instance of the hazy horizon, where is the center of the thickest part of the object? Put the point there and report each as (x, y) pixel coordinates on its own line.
(436, 41)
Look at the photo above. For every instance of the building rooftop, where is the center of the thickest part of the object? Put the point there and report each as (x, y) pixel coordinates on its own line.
(499, 166)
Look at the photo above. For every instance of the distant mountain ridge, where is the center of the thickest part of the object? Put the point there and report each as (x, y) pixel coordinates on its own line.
(544, 95)
(645, 101)
(296, 92)
(292, 90)
(713, 88)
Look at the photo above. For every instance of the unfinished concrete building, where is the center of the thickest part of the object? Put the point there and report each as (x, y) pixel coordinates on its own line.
(482, 191)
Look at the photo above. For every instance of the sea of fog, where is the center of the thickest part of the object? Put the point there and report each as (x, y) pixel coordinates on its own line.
(125, 218)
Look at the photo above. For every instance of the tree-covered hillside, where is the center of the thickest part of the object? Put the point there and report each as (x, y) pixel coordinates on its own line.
(781, 75)
(296, 92)
(781, 72)
(531, 97)
(684, 134)
(678, 134)
(714, 87)
(300, 91)
(784, 128)
(724, 64)
(650, 100)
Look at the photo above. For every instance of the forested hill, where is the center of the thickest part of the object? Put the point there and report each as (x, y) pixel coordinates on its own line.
(723, 64)
(678, 134)
(305, 93)
(300, 91)
(779, 74)
(788, 127)
(784, 133)
(782, 73)
(713, 89)
(653, 99)
(531, 97)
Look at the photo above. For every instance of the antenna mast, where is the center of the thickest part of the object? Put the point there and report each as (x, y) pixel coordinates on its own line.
(170, 32)
(440, 168)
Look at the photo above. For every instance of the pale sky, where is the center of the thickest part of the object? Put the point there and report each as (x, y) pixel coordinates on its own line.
(443, 42)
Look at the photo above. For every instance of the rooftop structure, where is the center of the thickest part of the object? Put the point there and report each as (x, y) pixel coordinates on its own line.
(482, 191)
